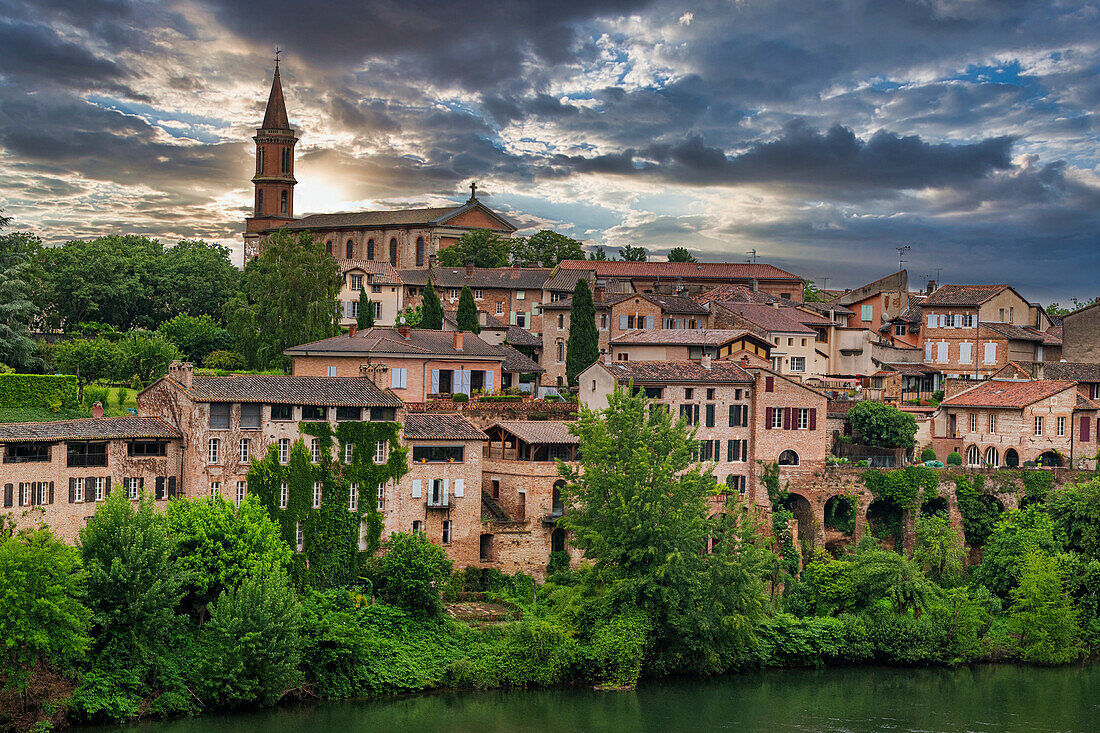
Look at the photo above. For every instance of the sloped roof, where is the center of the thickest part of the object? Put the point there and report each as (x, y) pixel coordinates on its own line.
(769, 318)
(896, 282)
(1008, 394)
(275, 117)
(682, 336)
(674, 304)
(382, 271)
(911, 370)
(734, 294)
(678, 371)
(280, 390)
(91, 428)
(512, 278)
(542, 432)
(521, 337)
(491, 323)
(433, 426)
(963, 294)
(427, 216)
(421, 342)
(1073, 371)
(1016, 333)
(680, 270)
(517, 361)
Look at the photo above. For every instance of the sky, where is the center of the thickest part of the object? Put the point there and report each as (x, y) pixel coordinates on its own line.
(823, 134)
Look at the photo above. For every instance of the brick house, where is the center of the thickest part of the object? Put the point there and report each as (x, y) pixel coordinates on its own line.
(522, 490)
(509, 294)
(794, 345)
(1002, 422)
(1079, 329)
(420, 363)
(56, 472)
(672, 278)
(441, 494)
(383, 287)
(878, 302)
(677, 344)
(743, 414)
(1086, 375)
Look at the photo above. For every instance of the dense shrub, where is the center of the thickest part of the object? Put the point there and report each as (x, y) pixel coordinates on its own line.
(411, 573)
(954, 459)
(34, 390)
(229, 361)
(928, 454)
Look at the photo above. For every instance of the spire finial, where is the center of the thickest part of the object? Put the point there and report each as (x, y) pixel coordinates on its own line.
(473, 190)
(277, 52)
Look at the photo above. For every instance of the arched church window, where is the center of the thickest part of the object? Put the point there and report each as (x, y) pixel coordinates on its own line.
(370, 249)
(286, 160)
(349, 250)
(393, 252)
(283, 203)
(259, 160)
(328, 247)
(260, 202)
(420, 251)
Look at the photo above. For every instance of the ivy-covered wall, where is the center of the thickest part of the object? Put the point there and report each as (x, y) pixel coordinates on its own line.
(330, 554)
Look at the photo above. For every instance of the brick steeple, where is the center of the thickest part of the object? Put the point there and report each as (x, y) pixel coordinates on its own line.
(274, 179)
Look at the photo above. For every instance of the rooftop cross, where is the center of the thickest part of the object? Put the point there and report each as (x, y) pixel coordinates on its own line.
(473, 191)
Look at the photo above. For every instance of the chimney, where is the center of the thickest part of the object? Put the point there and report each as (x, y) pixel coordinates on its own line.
(744, 360)
(182, 372)
(706, 361)
(375, 372)
(457, 337)
(404, 331)
(431, 261)
(599, 293)
(469, 269)
(931, 287)
(353, 329)
(97, 409)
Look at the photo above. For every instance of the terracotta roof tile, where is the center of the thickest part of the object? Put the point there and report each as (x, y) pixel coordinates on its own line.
(680, 270)
(512, 278)
(963, 294)
(1016, 333)
(678, 371)
(682, 336)
(330, 391)
(1073, 371)
(383, 272)
(545, 432)
(1008, 394)
(768, 318)
(421, 342)
(522, 337)
(516, 361)
(432, 426)
(92, 428)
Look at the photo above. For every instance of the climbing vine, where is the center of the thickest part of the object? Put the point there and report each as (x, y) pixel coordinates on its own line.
(781, 518)
(330, 546)
(979, 510)
(899, 491)
(840, 513)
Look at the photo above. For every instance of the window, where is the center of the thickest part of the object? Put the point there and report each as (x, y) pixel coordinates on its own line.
(100, 488)
(27, 453)
(147, 448)
(244, 454)
(803, 342)
(928, 351)
(328, 247)
(242, 491)
(284, 451)
(349, 250)
(710, 393)
(420, 251)
(777, 417)
(283, 206)
(500, 308)
(315, 450)
(561, 352)
(690, 414)
(965, 355)
(259, 202)
(418, 526)
(299, 537)
(521, 294)
(399, 378)
(803, 418)
(900, 329)
(133, 486)
(219, 415)
(941, 352)
(393, 252)
(378, 310)
(284, 494)
(377, 289)
(353, 497)
(313, 412)
(251, 416)
(213, 451)
(316, 494)
(215, 488)
(453, 293)
(355, 282)
(788, 458)
(282, 412)
(973, 456)
(739, 416)
(331, 371)
(992, 423)
(381, 497)
(709, 416)
(78, 489)
(286, 161)
(446, 531)
(1061, 427)
(603, 321)
(437, 453)
(349, 413)
(689, 393)
(790, 342)
(990, 353)
(370, 249)
(973, 422)
(561, 321)
(1038, 424)
(991, 457)
(259, 159)
(798, 363)
(380, 452)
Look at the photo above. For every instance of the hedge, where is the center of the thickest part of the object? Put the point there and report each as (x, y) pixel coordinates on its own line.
(36, 390)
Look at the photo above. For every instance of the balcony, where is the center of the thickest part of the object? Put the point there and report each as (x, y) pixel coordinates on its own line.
(437, 503)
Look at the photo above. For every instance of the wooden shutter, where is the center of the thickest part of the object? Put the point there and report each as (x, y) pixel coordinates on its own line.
(729, 451)
(769, 384)
(9, 491)
(733, 413)
(768, 418)
(171, 487)
(159, 490)
(1085, 423)
(786, 418)
(460, 487)
(416, 488)
(813, 418)
(107, 488)
(72, 490)
(51, 492)
(710, 416)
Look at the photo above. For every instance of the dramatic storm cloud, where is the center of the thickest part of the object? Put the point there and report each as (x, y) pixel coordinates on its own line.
(822, 134)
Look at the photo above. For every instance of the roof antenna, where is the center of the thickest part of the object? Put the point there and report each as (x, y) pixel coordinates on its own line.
(901, 256)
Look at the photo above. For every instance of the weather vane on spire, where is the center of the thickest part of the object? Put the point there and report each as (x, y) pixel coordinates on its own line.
(277, 52)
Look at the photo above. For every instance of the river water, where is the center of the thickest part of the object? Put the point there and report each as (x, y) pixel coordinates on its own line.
(982, 698)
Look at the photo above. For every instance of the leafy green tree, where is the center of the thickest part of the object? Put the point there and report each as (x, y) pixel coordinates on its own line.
(431, 309)
(366, 310)
(219, 545)
(1042, 615)
(545, 249)
(880, 573)
(43, 619)
(17, 307)
(583, 347)
(411, 573)
(882, 425)
(229, 361)
(811, 294)
(630, 253)
(1018, 533)
(1075, 510)
(251, 643)
(480, 248)
(939, 550)
(467, 312)
(598, 255)
(411, 317)
(146, 354)
(680, 254)
(196, 277)
(195, 336)
(88, 360)
(287, 297)
(639, 508)
(133, 583)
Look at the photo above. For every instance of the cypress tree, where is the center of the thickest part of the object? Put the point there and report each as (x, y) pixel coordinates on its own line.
(467, 312)
(366, 310)
(431, 311)
(583, 348)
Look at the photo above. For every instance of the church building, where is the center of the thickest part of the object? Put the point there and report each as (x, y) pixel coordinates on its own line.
(404, 238)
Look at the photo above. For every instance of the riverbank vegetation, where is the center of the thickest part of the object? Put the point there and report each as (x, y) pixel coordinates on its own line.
(207, 606)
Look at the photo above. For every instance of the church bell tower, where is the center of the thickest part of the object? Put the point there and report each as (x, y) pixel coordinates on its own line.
(274, 181)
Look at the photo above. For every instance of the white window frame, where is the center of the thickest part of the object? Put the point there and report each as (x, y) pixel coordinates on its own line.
(798, 364)
(349, 449)
(242, 491)
(353, 497)
(330, 371)
(1038, 424)
(377, 309)
(447, 530)
(399, 377)
(355, 283)
(381, 449)
(316, 494)
(215, 488)
(943, 352)
(965, 352)
(315, 450)
(133, 486)
(989, 355)
(992, 423)
(284, 495)
(803, 418)
(521, 295)
(78, 490)
(300, 536)
(478, 294)
(244, 452)
(381, 497)
(1061, 427)
(500, 307)
(213, 452)
(100, 488)
(777, 418)
(284, 451)
(973, 422)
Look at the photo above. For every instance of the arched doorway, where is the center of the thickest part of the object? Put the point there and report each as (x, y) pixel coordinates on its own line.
(840, 514)
(1012, 458)
(803, 512)
(557, 540)
(1050, 459)
(973, 456)
(992, 459)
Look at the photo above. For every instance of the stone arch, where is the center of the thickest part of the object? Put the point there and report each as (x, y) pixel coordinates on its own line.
(992, 458)
(935, 505)
(803, 513)
(788, 458)
(1050, 459)
(973, 456)
(840, 515)
(1012, 458)
(884, 520)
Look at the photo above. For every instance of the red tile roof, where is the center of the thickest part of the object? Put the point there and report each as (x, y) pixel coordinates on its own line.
(682, 336)
(1008, 394)
(963, 294)
(432, 426)
(421, 342)
(546, 432)
(678, 371)
(680, 270)
(92, 428)
(770, 318)
(280, 390)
